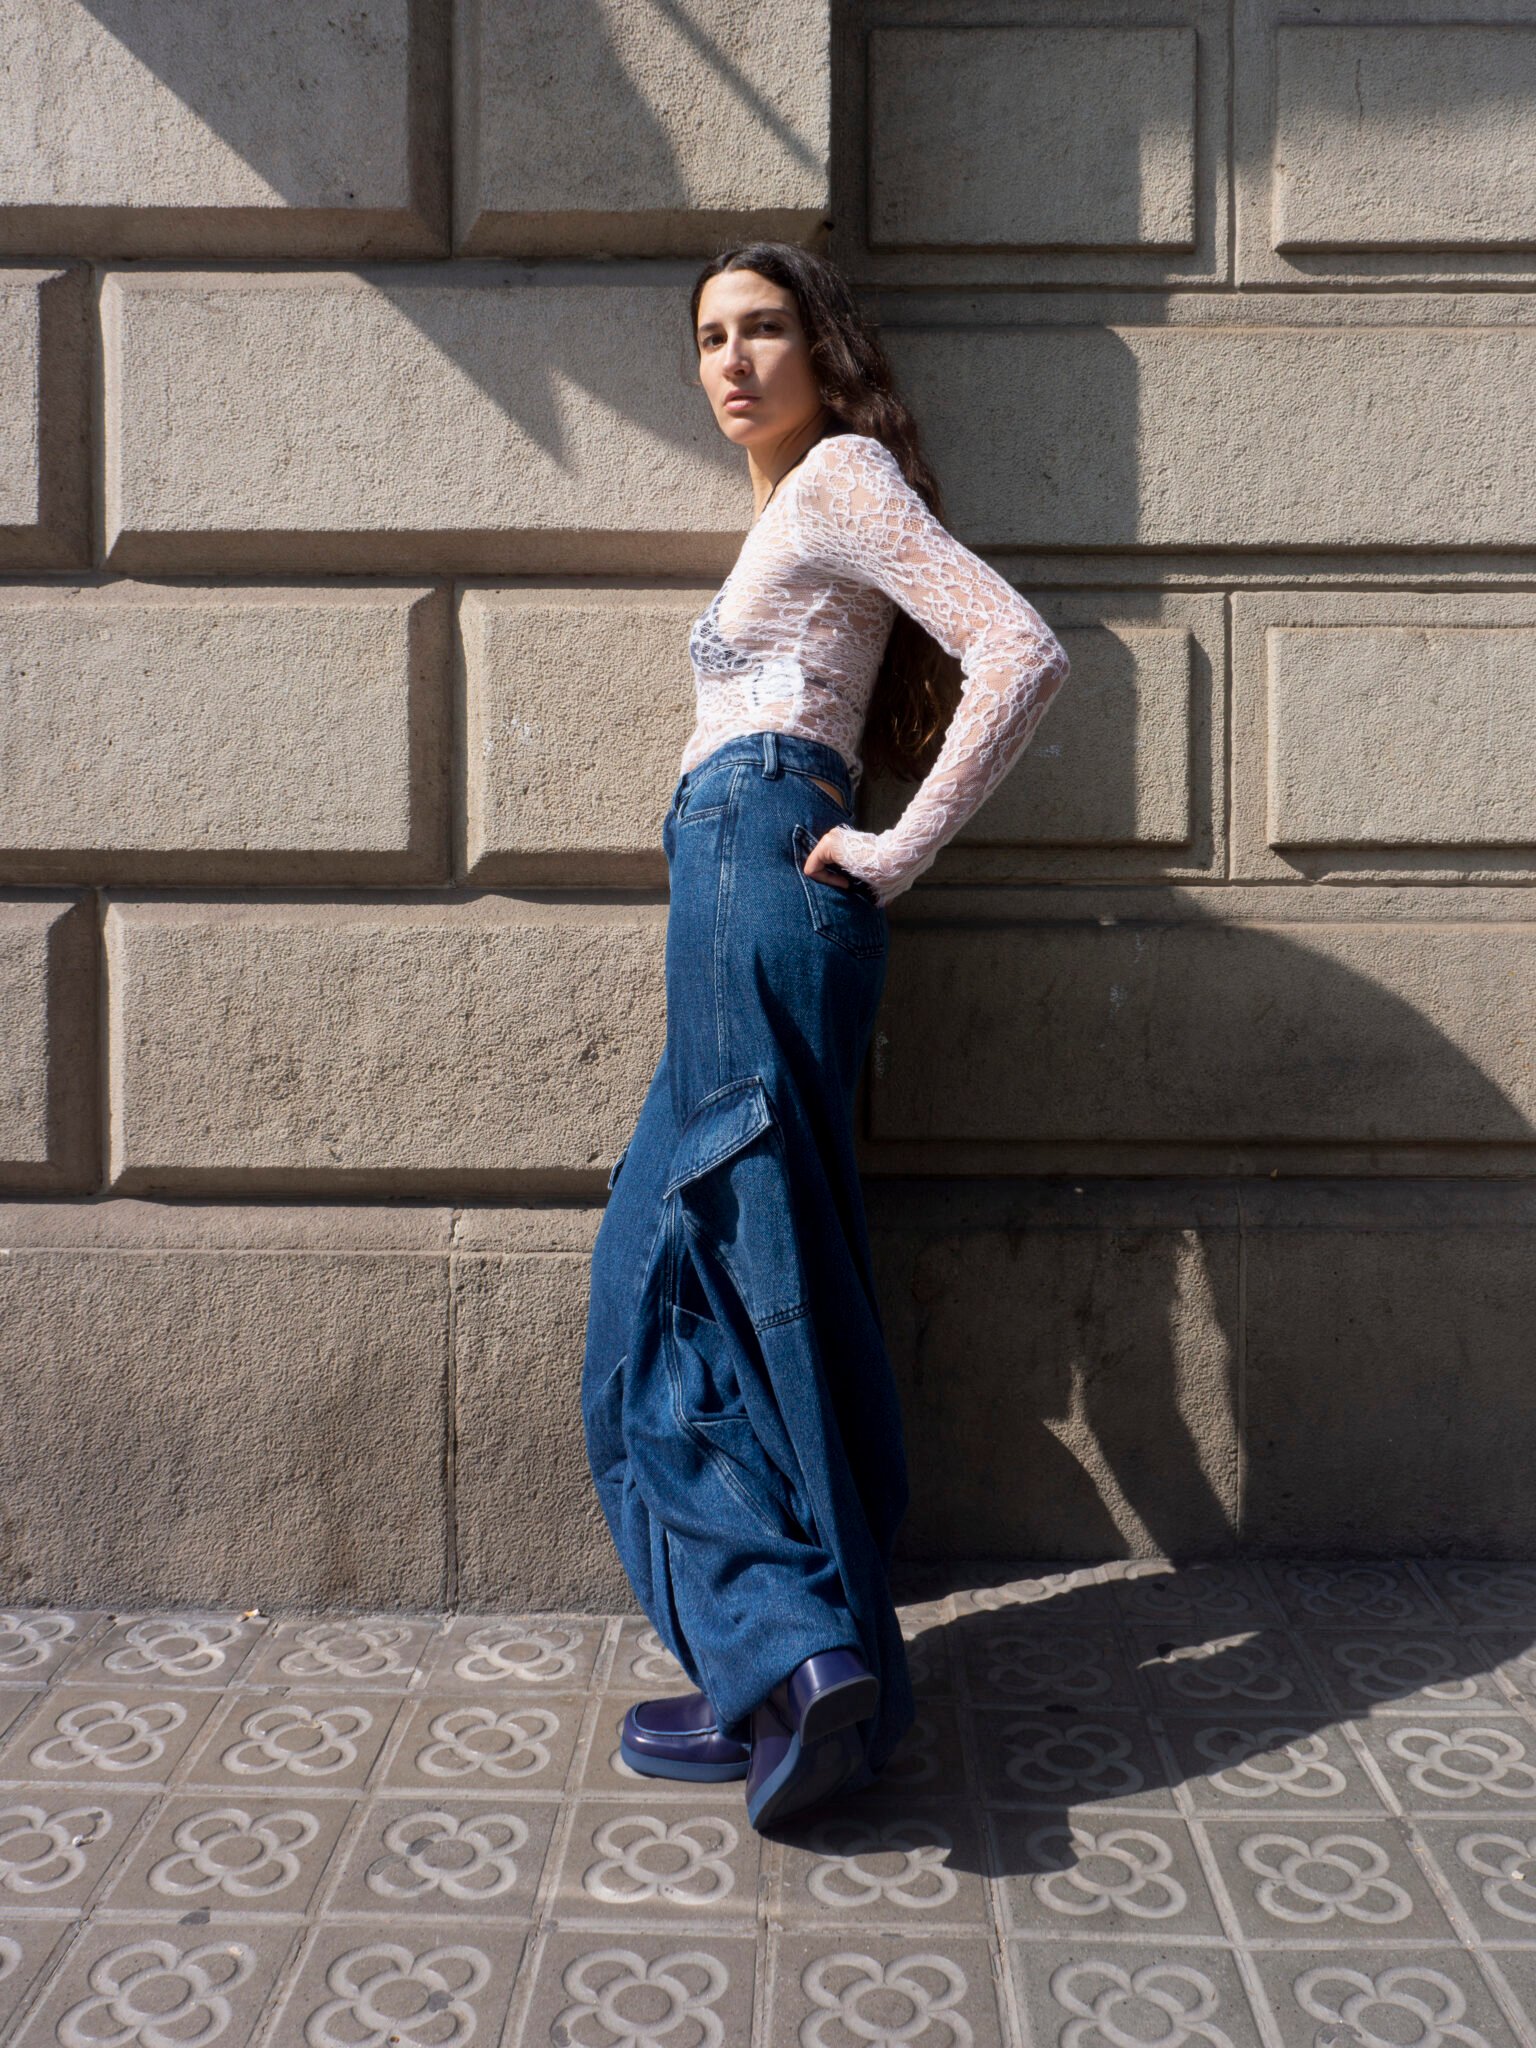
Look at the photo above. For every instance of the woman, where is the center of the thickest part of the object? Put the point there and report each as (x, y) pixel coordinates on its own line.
(741, 1417)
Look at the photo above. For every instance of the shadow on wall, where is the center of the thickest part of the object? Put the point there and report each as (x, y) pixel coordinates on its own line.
(1096, 1367)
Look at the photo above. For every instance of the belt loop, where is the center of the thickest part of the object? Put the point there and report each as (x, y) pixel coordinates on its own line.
(770, 753)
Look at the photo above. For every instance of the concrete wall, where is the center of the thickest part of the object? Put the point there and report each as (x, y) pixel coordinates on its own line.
(355, 498)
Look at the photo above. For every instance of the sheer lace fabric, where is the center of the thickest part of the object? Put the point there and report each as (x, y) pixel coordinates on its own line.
(793, 640)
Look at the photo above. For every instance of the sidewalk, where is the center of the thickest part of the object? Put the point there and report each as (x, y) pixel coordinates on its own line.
(1144, 1807)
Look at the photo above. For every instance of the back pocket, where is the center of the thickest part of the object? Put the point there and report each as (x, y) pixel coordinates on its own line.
(850, 917)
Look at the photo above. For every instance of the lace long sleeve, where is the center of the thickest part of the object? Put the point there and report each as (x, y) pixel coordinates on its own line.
(864, 521)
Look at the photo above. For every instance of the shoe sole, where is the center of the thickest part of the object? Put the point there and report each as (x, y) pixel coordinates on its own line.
(667, 1767)
(825, 1756)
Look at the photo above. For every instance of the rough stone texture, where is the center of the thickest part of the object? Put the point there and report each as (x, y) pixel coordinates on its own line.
(1388, 1367)
(175, 127)
(45, 347)
(1026, 146)
(711, 119)
(1383, 151)
(1362, 132)
(1223, 422)
(160, 732)
(482, 418)
(232, 1428)
(1120, 779)
(962, 119)
(527, 1522)
(548, 671)
(1384, 733)
(48, 1001)
(1213, 1033)
(1102, 1400)
(455, 1045)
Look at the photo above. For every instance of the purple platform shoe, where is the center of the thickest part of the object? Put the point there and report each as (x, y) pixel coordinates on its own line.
(806, 1742)
(679, 1738)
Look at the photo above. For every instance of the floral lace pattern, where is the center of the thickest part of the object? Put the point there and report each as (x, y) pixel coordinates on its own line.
(793, 640)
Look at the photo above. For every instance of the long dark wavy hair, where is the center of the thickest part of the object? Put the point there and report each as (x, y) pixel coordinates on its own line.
(917, 686)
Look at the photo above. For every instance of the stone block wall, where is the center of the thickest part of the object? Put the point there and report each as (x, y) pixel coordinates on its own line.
(355, 498)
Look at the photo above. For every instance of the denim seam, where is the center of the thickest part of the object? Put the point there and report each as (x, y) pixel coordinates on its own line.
(723, 1464)
(724, 890)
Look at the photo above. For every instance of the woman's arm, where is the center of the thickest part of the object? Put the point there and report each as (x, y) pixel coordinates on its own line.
(863, 519)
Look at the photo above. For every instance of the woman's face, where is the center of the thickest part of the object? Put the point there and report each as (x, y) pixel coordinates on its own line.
(755, 361)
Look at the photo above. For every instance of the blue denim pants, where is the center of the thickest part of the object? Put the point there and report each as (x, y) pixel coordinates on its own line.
(742, 1422)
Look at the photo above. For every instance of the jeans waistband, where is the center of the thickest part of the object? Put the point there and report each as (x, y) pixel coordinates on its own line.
(773, 753)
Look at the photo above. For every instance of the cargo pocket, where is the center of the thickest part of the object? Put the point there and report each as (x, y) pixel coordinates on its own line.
(714, 1413)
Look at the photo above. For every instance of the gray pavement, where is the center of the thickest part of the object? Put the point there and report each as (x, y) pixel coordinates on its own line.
(1215, 1806)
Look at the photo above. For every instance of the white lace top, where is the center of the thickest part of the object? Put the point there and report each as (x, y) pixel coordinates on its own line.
(793, 639)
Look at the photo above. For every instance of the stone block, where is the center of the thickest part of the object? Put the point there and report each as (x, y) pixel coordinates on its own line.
(650, 131)
(478, 420)
(1119, 776)
(1384, 733)
(1249, 421)
(1088, 1029)
(224, 1429)
(444, 1046)
(218, 733)
(578, 703)
(1376, 151)
(1068, 1360)
(163, 127)
(48, 1002)
(1388, 1365)
(45, 353)
(529, 1529)
(1028, 147)
(1032, 138)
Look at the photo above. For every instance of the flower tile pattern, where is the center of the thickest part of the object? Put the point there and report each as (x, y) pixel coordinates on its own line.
(1227, 1803)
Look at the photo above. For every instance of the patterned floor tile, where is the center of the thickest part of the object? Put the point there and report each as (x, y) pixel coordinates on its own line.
(417, 1857)
(623, 1861)
(1491, 1867)
(1106, 1992)
(105, 1735)
(212, 1854)
(1477, 1595)
(264, 1740)
(1232, 1763)
(929, 1761)
(204, 1651)
(1220, 1597)
(15, 1701)
(1006, 1662)
(129, 1982)
(856, 1986)
(1068, 1762)
(1408, 1672)
(1511, 1653)
(1256, 1670)
(37, 1642)
(451, 1744)
(56, 1847)
(1074, 1596)
(487, 1654)
(1472, 1765)
(1515, 1970)
(917, 1867)
(932, 1665)
(643, 1663)
(619, 1990)
(361, 1984)
(352, 1653)
(1101, 1877)
(27, 1948)
(1348, 1880)
(1372, 1994)
(1328, 1595)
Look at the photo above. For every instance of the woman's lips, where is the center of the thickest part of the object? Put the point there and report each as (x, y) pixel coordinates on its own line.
(740, 400)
